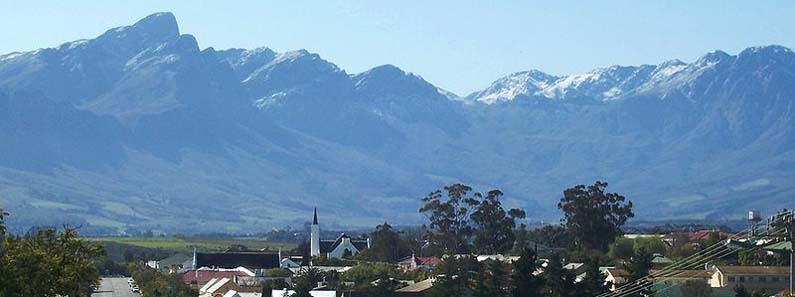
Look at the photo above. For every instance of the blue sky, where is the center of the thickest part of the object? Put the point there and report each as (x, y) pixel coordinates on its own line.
(457, 45)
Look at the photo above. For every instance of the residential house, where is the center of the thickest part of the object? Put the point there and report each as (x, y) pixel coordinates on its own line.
(497, 257)
(226, 287)
(418, 289)
(200, 277)
(233, 293)
(771, 279)
(254, 261)
(413, 263)
(659, 261)
(618, 276)
(217, 287)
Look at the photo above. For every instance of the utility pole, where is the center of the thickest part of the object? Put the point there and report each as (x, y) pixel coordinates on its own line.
(786, 220)
(791, 252)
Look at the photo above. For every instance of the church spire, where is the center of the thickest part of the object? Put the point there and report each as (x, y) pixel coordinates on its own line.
(314, 221)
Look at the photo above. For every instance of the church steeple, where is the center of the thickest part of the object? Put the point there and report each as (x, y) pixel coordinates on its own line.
(314, 237)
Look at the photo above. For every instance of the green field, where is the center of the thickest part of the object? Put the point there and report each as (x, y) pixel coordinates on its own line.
(185, 244)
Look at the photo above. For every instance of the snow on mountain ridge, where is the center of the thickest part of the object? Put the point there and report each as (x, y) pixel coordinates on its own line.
(525, 83)
(617, 82)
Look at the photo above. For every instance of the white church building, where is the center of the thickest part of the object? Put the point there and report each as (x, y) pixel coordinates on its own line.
(341, 247)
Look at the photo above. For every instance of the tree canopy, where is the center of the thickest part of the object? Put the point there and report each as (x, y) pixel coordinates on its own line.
(494, 227)
(305, 282)
(156, 284)
(48, 263)
(448, 212)
(594, 217)
(456, 214)
(386, 244)
(638, 268)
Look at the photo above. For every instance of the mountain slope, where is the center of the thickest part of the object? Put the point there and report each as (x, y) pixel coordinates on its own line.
(141, 129)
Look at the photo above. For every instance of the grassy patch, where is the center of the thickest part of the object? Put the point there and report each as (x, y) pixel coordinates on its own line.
(53, 204)
(100, 221)
(118, 208)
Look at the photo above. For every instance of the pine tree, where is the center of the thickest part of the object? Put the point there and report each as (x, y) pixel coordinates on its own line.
(594, 282)
(525, 282)
(451, 278)
(638, 268)
(559, 282)
(492, 281)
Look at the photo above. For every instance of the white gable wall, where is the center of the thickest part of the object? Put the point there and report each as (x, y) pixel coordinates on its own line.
(340, 250)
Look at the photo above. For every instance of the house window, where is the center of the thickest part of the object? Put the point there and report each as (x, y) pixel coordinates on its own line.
(742, 279)
(776, 279)
(732, 279)
(762, 279)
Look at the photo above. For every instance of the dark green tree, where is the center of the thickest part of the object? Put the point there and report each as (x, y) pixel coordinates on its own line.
(639, 267)
(594, 282)
(157, 284)
(494, 226)
(448, 211)
(267, 289)
(740, 291)
(558, 282)
(652, 244)
(333, 280)
(481, 289)
(385, 244)
(594, 217)
(49, 263)
(525, 282)
(452, 277)
(365, 273)
(3, 215)
(553, 236)
(492, 280)
(522, 241)
(760, 293)
(305, 282)
(129, 257)
(621, 249)
(696, 289)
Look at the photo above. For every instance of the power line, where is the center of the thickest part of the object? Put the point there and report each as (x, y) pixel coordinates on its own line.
(724, 255)
(708, 253)
(637, 287)
(675, 266)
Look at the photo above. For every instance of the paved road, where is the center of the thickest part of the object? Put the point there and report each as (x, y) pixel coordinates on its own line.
(114, 287)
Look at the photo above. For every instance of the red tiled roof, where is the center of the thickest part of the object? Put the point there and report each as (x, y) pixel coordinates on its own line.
(203, 276)
(430, 261)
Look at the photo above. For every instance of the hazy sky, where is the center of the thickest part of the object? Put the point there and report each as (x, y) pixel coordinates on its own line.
(458, 45)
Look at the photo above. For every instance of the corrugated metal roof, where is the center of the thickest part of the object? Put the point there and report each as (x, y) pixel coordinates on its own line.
(250, 260)
(418, 287)
(780, 246)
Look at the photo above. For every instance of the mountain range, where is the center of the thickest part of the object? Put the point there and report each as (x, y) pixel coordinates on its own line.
(140, 129)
